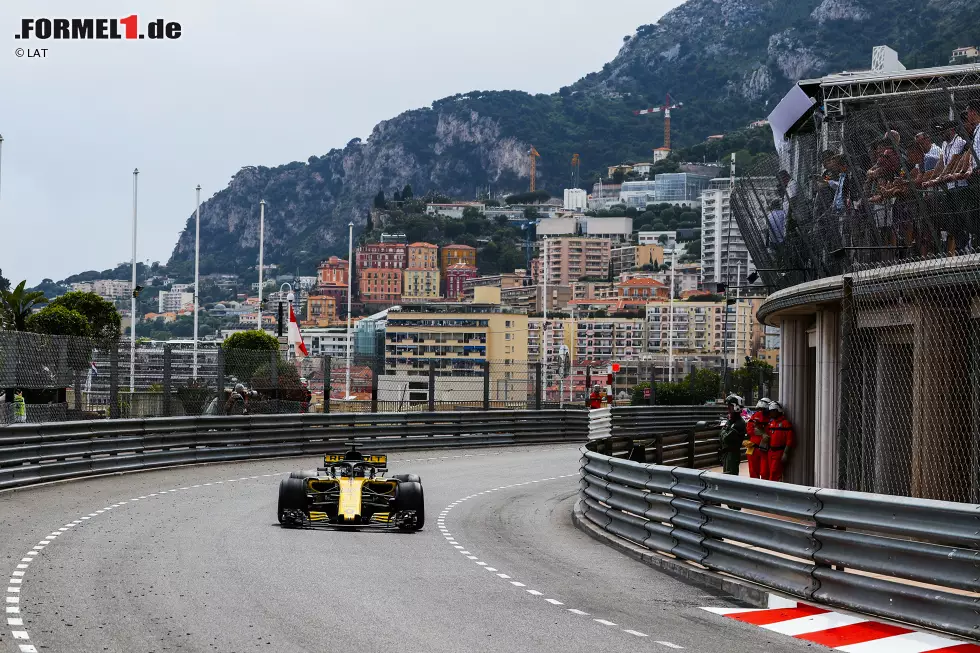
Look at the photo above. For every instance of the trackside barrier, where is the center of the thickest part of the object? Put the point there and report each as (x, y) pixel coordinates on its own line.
(911, 560)
(36, 453)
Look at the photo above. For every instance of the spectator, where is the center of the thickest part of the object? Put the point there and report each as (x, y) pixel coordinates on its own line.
(777, 224)
(20, 407)
(931, 153)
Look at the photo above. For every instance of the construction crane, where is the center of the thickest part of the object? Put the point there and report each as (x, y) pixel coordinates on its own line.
(575, 169)
(532, 154)
(665, 109)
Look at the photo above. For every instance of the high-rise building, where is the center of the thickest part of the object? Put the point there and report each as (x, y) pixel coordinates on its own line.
(722, 245)
(571, 259)
(575, 199)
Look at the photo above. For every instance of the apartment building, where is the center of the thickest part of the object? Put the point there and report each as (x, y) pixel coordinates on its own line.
(325, 341)
(332, 272)
(570, 259)
(593, 290)
(423, 256)
(455, 279)
(610, 338)
(452, 254)
(699, 327)
(380, 286)
(457, 337)
(381, 256)
(642, 288)
(723, 250)
(420, 283)
(530, 299)
(321, 310)
(561, 331)
(174, 300)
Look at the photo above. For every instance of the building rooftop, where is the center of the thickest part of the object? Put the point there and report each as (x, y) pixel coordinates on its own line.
(454, 246)
(421, 244)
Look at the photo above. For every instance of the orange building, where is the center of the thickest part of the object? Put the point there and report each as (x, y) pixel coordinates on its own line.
(453, 254)
(423, 256)
(321, 310)
(380, 286)
(332, 272)
(642, 288)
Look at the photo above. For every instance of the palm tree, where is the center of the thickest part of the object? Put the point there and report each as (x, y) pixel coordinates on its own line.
(16, 305)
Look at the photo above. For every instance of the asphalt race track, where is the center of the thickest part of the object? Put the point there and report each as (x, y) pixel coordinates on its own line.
(194, 560)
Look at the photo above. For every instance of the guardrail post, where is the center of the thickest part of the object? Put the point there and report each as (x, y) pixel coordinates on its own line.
(659, 454)
(653, 386)
(167, 378)
(219, 376)
(274, 374)
(486, 385)
(375, 372)
(691, 439)
(588, 385)
(432, 386)
(114, 381)
(327, 364)
(537, 385)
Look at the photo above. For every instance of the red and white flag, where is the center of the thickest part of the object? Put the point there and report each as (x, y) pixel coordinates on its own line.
(295, 337)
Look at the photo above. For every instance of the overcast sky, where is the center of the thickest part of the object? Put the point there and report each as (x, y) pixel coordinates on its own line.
(249, 82)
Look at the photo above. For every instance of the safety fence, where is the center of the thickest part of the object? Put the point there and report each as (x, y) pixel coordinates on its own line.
(911, 560)
(36, 453)
(894, 178)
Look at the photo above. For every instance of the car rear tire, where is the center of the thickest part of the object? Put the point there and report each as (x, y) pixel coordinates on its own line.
(292, 496)
(305, 473)
(410, 497)
(411, 478)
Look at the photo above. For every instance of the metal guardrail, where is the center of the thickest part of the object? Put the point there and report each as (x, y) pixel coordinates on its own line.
(912, 560)
(641, 421)
(37, 453)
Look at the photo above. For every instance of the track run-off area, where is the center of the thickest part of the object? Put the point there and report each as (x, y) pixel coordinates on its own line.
(193, 559)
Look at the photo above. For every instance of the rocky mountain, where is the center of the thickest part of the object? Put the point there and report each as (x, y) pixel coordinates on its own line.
(728, 61)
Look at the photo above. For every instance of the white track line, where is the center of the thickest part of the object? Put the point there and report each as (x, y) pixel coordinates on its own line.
(461, 549)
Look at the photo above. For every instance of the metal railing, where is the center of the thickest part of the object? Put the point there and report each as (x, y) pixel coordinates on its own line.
(911, 560)
(37, 453)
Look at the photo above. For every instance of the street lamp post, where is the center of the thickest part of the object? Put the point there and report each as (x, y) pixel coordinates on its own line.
(350, 293)
(289, 304)
(261, 252)
(670, 328)
(197, 271)
(132, 315)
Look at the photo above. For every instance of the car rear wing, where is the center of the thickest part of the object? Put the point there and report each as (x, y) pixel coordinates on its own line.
(378, 461)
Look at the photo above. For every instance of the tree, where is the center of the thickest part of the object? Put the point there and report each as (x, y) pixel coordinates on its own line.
(703, 385)
(673, 394)
(407, 193)
(102, 317)
(58, 321)
(247, 351)
(618, 176)
(379, 200)
(4, 282)
(753, 376)
(16, 305)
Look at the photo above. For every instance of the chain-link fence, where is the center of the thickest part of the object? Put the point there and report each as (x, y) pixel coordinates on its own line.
(910, 383)
(895, 179)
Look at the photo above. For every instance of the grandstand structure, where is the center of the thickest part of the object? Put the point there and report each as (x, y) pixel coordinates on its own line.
(865, 228)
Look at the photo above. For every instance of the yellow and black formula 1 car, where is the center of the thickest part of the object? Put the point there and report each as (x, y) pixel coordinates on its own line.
(350, 490)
